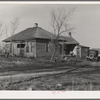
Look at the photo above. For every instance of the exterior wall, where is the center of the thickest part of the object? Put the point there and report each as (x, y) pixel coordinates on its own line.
(36, 48)
(41, 49)
(7, 48)
(32, 49)
(81, 52)
(84, 52)
(14, 50)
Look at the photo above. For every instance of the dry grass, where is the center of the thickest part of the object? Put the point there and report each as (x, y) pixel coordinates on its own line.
(16, 65)
(85, 78)
(68, 82)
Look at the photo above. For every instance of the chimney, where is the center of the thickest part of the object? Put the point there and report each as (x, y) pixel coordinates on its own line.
(70, 35)
(36, 24)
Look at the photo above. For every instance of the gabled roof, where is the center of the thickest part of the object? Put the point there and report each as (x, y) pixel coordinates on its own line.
(38, 32)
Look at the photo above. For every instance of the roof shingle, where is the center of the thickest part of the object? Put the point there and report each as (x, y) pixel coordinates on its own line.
(37, 32)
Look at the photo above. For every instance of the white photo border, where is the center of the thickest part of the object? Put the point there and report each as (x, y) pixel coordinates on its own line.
(49, 94)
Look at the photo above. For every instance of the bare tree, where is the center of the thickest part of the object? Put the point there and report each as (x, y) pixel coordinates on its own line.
(2, 28)
(3, 31)
(14, 26)
(59, 23)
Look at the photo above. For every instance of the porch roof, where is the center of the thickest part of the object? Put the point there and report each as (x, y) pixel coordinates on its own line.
(69, 40)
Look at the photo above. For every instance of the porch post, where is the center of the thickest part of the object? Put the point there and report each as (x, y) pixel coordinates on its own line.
(12, 46)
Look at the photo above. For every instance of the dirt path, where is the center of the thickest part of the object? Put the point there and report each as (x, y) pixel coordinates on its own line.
(38, 74)
(41, 80)
(32, 74)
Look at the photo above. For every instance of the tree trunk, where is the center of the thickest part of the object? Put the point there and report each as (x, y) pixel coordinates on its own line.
(54, 53)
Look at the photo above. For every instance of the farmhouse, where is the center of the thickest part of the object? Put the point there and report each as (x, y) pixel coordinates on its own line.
(36, 42)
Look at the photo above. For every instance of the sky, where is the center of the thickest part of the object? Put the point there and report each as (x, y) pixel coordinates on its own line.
(85, 19)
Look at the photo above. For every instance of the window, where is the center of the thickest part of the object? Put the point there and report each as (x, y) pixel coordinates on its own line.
(47, 47)
(20, 45)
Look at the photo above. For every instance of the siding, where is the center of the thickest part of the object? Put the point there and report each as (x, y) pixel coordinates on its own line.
(32, 49)
(13, 49)
(18, 51)
(84, 52)
(41, 49)
(36, 49)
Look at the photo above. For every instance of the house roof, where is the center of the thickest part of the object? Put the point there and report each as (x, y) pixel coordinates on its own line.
(69, 40)
(30, 33)
(38, 32)
(84, 46)
(98, 49)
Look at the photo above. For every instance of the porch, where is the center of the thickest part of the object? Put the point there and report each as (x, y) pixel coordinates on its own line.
(66, 48)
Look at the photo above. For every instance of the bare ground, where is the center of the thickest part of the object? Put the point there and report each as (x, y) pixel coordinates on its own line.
(30, 74)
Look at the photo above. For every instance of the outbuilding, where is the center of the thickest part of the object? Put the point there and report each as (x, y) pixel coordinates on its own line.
(82, 51)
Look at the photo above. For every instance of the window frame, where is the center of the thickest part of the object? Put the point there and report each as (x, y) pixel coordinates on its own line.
(20, 45)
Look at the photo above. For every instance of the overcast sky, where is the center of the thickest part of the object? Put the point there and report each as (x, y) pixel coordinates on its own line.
(85, 19)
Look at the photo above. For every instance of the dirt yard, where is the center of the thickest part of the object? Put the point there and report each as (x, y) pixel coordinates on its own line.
(31, 74)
